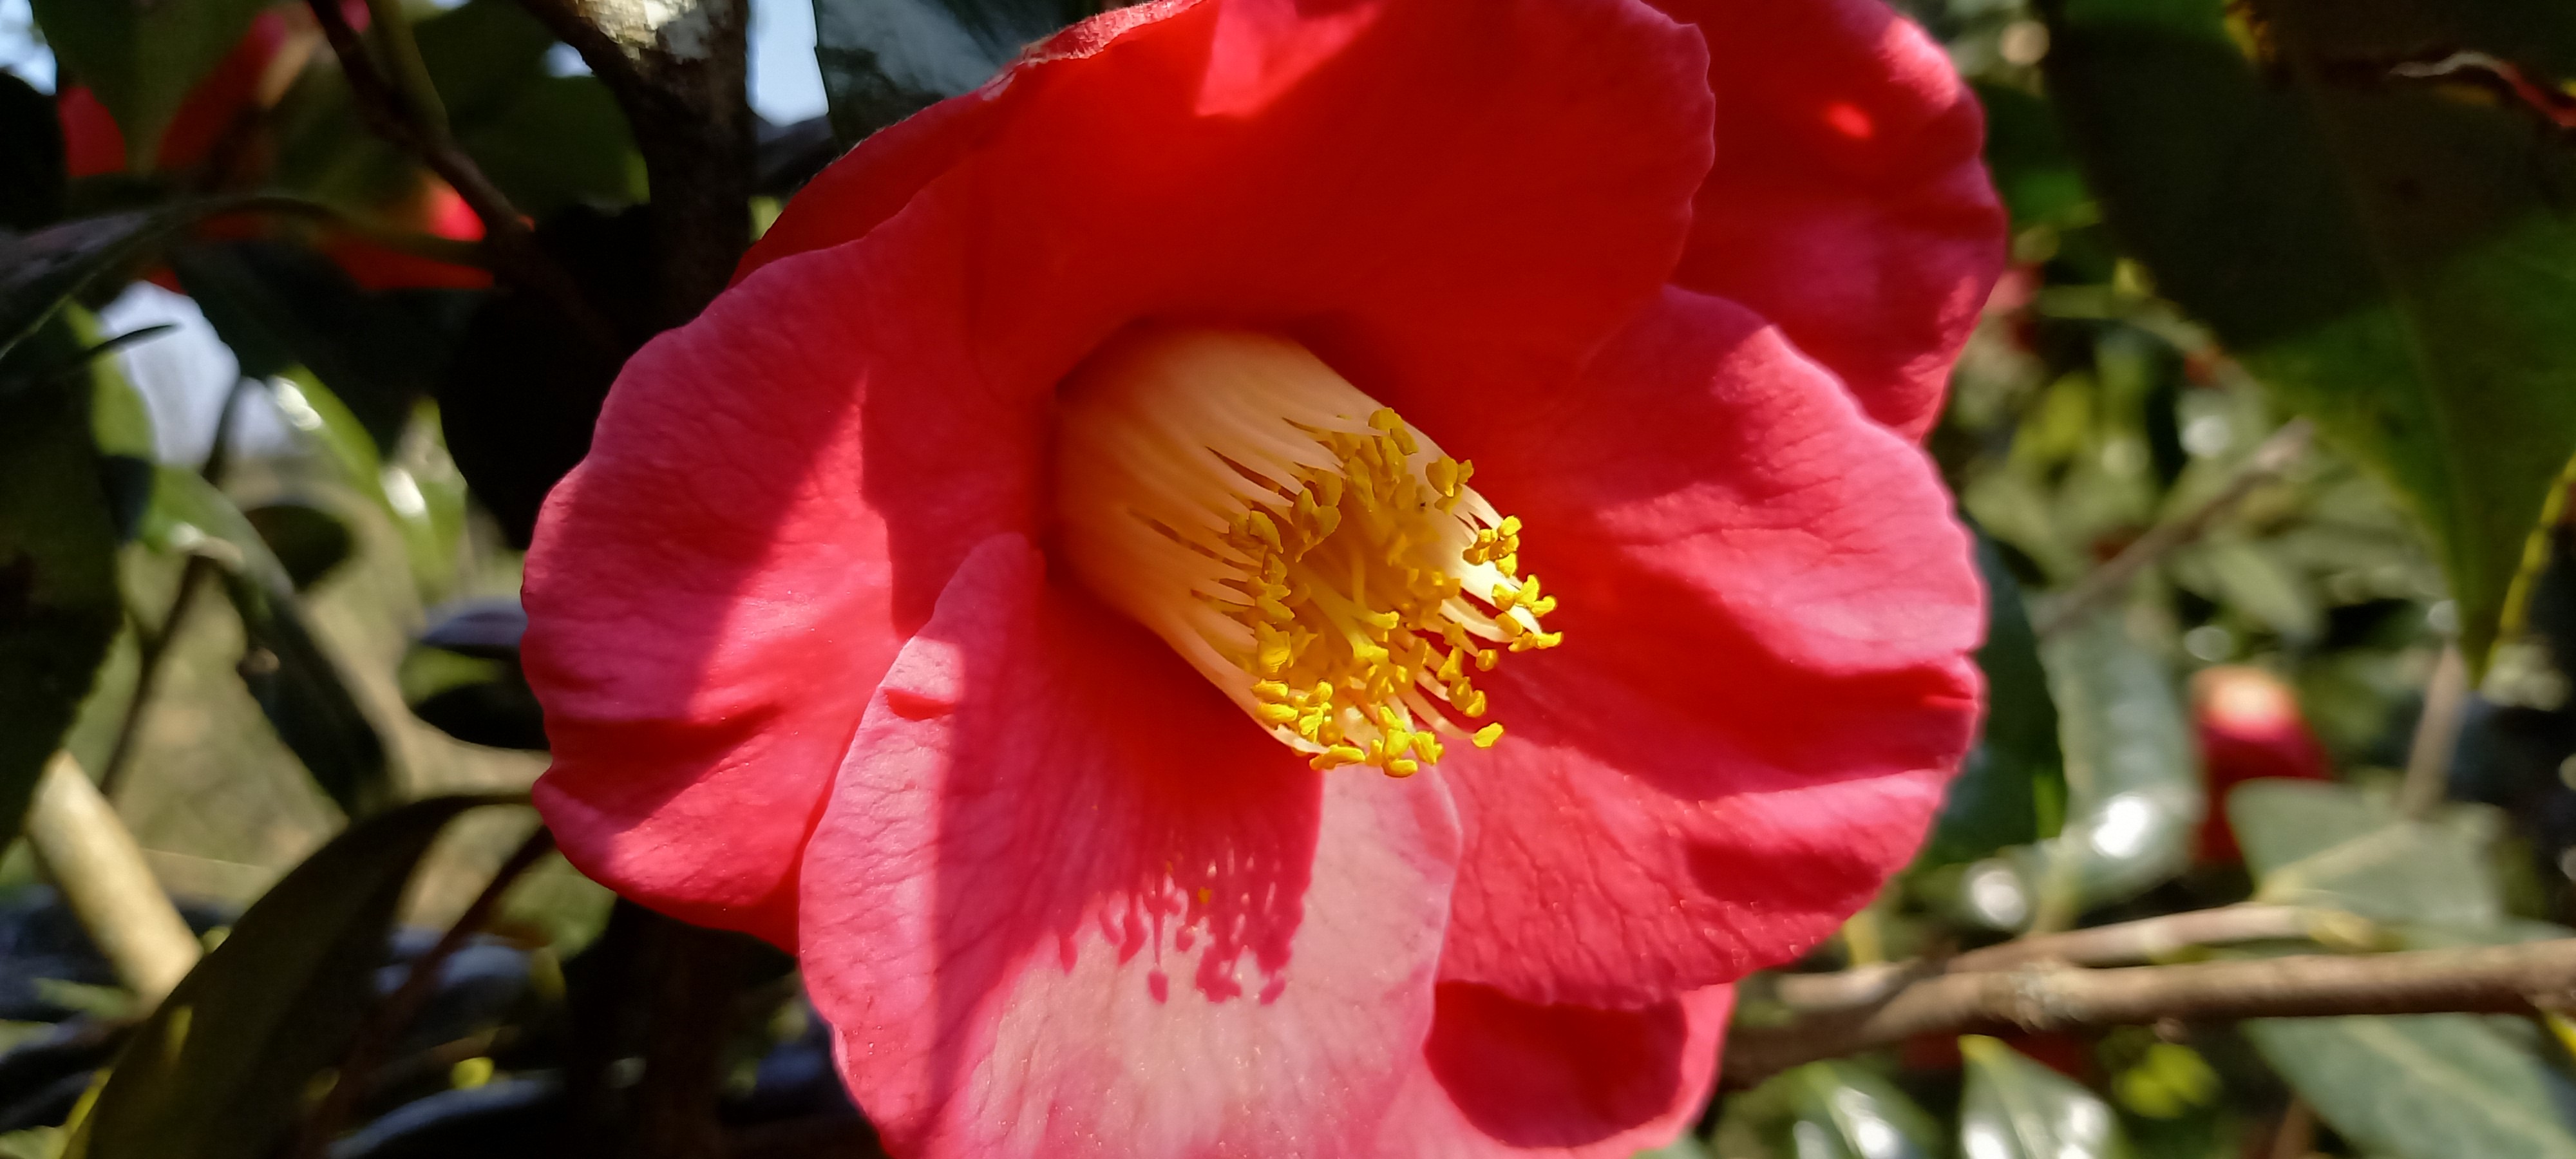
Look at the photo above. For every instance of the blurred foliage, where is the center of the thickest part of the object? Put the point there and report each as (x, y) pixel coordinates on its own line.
(2223, 215)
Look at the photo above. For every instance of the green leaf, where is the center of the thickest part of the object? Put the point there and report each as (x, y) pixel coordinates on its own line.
(59, 607)
(2388, 257)
(2436, 1086)
(222, 1069)
(2319, 844)
(142, 58)
(2012, 789)
(2017, 1109)
(884, 60)
(2133, 792)
(31, 156)
(562, 142)
(1831, 1110)
(482, 55)
(285, 667)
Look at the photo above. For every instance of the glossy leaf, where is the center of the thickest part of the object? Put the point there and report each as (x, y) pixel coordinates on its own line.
(2017, 1109)
(2434, 1086)
(59, 608)
(2012, 790)
(2387, 256)
(295, 681)
(141, 59)
(884, 60)
(2320, 844)
(1830, 1110)
(222, 1069)
(2134, 799)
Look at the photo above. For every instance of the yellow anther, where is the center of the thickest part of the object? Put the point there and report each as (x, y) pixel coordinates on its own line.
(1509, 564)
(1271, 690)
(1402, 767)
(1340, 754)
(1453, 667)
(1486, 658)
(1504, 598)
(1443, 474)
(1475, 705)
(1273, 645)
(1486, 736)
(1275, 713)
(1382, 621)
(1385, 419)
(1511, 525)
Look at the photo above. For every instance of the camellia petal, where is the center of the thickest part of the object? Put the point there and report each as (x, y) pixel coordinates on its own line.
(1502, 1078)
(1037, 935)
(1764, 683)
(778, 490)
(1848, 204)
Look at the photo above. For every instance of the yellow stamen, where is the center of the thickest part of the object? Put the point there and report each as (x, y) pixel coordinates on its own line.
(1302, 546)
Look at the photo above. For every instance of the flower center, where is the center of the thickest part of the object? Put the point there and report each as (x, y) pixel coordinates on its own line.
(1317, 559)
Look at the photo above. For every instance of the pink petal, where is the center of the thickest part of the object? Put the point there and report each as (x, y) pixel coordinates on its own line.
(1765, 679)
(1848, 204)
(1503, 1078)
(1064, 903)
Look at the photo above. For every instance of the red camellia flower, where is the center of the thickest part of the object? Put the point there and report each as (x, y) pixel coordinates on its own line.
(1300, 578)
(2250, 728)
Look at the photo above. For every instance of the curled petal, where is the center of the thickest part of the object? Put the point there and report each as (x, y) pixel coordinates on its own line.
(1043, 922)
(1765, 680)
(1504, 1078)
(1848, 204)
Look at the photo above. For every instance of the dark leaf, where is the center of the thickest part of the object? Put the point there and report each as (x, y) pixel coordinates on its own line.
(562, 142)
(2388, 257)
(2437, 1086)
(307, 540)
(222, 1069)
(2013, 788)
(884, 60)
(286, 669)
(31, 157)
(279, 305)
(42, 270)
(463, 675)
(142, 59)
(58, 592)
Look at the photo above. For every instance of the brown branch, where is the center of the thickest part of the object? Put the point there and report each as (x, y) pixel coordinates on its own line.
(375, 1038)
(2268, 461)
(678, 70)
(516, 255)
(2492, 979)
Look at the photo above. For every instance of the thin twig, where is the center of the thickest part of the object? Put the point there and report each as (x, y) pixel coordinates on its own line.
(2491, 979)
(514, 246)
(375, 1038)
(2121, 944)
(2274, 456)
(2437, 733)
(92, 856)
